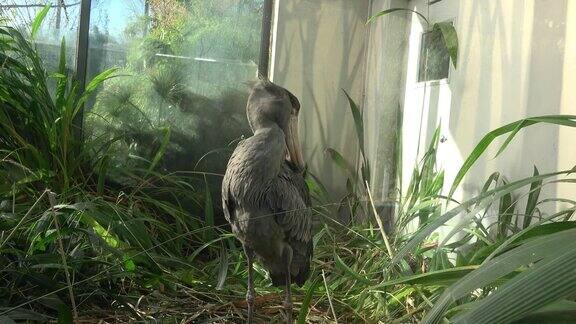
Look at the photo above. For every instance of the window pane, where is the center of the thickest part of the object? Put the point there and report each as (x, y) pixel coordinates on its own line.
(434, 57)
(182, 68)
(61, 22)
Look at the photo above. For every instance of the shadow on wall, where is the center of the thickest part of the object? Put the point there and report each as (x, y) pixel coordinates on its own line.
(546, 81)
(320, 50)
(511, 67)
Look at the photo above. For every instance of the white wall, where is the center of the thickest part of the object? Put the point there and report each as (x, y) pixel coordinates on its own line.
(517, 58)
(318, 50)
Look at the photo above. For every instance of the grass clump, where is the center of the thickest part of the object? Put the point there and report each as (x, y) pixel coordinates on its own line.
(84, 237)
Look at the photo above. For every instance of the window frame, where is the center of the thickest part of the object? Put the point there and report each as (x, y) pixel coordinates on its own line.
(83, 39)
(420, 58)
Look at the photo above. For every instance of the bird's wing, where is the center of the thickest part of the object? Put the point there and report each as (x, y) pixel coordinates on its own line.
(228, 202)
(298, 180)
(289, 199)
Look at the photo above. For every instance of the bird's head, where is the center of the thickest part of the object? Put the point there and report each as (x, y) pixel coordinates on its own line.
(270, 104)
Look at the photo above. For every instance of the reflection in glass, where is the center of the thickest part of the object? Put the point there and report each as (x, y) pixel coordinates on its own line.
(434, 61)
(61, 22)
(182, 68)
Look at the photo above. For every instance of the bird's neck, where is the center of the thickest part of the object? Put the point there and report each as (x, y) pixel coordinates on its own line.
(268, 147)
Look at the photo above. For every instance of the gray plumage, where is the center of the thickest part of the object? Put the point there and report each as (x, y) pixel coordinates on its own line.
(264, 195)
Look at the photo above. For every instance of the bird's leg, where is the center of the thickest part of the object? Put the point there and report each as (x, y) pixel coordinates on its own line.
(250, 293)
(287, 289)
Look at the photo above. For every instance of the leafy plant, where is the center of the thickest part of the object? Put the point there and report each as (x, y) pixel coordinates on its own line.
(511, 129)
(98, 234)
(357, 179)
(142, 243)
(446, 28)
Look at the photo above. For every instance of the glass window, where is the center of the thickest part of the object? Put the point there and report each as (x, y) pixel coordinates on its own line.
(434, 63)
(61, 22)
(182, 67)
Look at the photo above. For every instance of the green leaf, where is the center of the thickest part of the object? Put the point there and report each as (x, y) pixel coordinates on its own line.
(209, 211)
(561, 312)
(493, 178)
(389, 11)
(421, 235)
(544, 283)
(62, 81)
(344, 165)
(64, 314)
(100, 78)
(535, 230)
(538, 250)
(533, 196)
(162, 149)
(547, 229)
(450, 38)
(102, 173)
(204, 246)
(316, 188)
(38, 20)
(434, 278)
(358, 122)
(506, 210)
(304, 309)
(129, 264)
(341, 265)
(562, 120)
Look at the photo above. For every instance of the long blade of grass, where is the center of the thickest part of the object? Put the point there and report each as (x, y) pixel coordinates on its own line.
(358, 122)
(450, 38)
(304, 309)
(389, 11)
(506, 210)
(38, 20)
(162, 149)
(536, 250)
(493, 194)
(534, 288)
(563, 311)
(434, 278)
(537, 229)
(341, 162)
(223, 267)
(562, 120)
(340, 264)
(533, 196)
(209, 211)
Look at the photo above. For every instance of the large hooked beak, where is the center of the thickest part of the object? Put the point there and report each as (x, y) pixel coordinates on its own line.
(293, 143)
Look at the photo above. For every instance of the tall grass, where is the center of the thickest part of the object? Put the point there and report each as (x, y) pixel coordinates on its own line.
(100, 238)
(495, 273)
(135, 249)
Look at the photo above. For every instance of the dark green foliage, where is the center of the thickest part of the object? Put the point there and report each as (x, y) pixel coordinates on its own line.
(113, 232)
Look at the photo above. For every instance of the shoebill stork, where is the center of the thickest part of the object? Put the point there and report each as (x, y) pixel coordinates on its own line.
(264, 195)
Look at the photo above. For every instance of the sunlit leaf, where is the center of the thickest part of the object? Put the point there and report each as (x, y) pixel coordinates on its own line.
(545, 248)
(513, 128)
(533, 196)
(304, 309)
(389, 11)
(129, 264)
(38, 20)
(450, 38)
